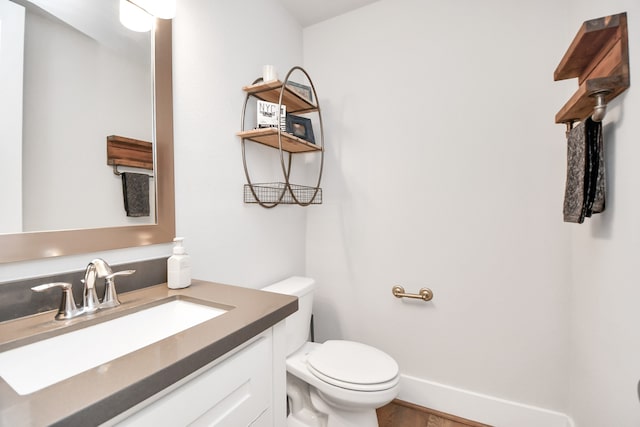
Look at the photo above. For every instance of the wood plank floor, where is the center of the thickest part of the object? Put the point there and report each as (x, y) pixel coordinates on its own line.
(403, 414)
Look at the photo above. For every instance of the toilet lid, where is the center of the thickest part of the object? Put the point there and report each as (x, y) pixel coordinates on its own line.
(353, 365)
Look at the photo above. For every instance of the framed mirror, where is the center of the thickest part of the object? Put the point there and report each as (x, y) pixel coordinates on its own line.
(21, 246)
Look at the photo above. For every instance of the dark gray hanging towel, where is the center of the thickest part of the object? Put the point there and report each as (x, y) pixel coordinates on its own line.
(574, 189)
(135, 189)
(585, 187)
(594, 138)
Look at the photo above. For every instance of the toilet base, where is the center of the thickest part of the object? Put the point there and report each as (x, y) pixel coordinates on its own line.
(338, 417)
(302, 413)
(308, 408)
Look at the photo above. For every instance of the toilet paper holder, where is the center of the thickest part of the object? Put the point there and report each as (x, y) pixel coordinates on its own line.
(424, 294)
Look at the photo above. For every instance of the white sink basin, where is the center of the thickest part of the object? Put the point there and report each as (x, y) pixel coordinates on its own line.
(38, 365)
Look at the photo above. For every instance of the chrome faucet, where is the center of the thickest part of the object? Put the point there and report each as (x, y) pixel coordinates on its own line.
(98, 268)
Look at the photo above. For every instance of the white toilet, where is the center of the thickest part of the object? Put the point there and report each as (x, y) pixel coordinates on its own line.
(337, 383)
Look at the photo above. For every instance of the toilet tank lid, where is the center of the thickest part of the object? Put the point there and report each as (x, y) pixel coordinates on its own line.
(295, 285)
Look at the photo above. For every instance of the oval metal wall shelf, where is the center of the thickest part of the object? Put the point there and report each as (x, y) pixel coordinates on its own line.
(269, 195)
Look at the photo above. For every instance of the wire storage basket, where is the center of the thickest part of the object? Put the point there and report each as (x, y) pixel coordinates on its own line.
(278, 192)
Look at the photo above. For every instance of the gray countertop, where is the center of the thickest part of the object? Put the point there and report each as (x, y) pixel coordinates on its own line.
(99, 394)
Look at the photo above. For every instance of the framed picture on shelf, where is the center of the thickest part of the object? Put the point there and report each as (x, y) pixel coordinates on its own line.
(267, 115)
(303, 91)
(300, 127)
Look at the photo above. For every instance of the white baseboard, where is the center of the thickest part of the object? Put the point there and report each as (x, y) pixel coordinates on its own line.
(478, 407)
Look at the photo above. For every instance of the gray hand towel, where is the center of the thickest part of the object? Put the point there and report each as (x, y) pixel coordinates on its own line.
(601, 185)
(574, 189)
(585, 187)
(135, 189)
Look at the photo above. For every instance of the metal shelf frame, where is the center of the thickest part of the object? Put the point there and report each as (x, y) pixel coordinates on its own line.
(287, 193)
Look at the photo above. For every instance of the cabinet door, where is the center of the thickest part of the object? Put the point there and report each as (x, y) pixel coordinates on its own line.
(235, 392)
(264, 420)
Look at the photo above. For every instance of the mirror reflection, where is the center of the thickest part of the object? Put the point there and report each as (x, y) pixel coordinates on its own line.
(83, 77)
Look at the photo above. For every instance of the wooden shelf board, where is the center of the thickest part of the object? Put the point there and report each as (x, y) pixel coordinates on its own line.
(122, 151)
(270, 92)
(614, 60)
(593, 37)
(581, 104)
(269, 136)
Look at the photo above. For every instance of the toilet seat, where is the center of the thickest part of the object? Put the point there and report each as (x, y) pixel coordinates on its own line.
(353, 366)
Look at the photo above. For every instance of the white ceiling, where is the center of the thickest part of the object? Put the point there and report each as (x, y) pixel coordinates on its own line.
(309, 12)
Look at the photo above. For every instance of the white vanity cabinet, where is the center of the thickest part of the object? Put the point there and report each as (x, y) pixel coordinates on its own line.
(245, 387)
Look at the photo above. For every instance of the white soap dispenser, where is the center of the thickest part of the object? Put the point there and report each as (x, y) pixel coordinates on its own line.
(178, 266)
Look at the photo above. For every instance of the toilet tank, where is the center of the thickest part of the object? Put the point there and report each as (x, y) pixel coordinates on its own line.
(297, 325)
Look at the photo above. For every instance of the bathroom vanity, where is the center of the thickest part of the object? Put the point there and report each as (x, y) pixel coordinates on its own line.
(226, 371)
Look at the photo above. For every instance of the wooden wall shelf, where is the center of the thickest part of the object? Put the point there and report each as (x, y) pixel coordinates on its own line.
(290, 143)
(130, 152)
(297, 98)
(270, 92)
(599, 58)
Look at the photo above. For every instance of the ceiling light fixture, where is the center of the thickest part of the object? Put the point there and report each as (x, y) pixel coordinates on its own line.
(139, 15)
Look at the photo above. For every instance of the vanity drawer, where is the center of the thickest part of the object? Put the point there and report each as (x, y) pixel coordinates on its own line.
(233, 392)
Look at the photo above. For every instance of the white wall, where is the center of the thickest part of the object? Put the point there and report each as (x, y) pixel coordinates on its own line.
(220, 46)
(445, 169)
(11, 62)
(605, 341)
(467, 200)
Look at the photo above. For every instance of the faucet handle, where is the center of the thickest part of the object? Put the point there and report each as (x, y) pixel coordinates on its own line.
(68, 307)
(110, 296)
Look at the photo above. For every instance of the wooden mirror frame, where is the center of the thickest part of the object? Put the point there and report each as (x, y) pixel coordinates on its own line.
(46, 244)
